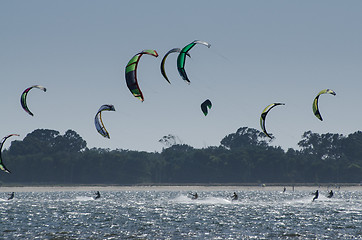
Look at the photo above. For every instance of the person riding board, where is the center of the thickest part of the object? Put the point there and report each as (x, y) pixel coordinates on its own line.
(330, 194)
(11, 196)
(98, 195)
(316, 194)
(234, 197)
(194, 195)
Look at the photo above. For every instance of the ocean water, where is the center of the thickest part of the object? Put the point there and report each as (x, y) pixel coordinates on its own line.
(159, 213)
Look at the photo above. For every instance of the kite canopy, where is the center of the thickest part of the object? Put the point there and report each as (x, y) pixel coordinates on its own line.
(315, 102)
(24, 96)
(131, 73)
(205, 106)
(182, 58)
(263, 117)
(163, 72)
(98, 119)
(2, 166)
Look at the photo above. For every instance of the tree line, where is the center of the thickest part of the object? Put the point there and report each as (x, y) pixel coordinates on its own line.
(47, 157)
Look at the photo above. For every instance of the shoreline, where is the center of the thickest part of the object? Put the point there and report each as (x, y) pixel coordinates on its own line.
(200, 187)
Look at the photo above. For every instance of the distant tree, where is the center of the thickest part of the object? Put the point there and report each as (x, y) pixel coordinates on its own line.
(325, 146)
(48, 141)
(70, 141)
(40, 140)
(352, 147)
(45, 156)
(170, 140)
(244, 137)
(351, 166)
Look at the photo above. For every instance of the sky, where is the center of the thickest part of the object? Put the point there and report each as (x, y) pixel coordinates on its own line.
(261, 52)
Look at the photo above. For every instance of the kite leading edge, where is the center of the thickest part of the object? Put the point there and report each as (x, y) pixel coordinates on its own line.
(263, 117)
(182, 58)
(315, 102)
(2, 166)
(24, 96)
(98, 119)
(131, 73)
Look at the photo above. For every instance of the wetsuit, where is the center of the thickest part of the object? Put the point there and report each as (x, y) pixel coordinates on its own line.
(11, 196)
(98, 195)
(330, 194)
(194, 196)
(234, 197)
(316, 194)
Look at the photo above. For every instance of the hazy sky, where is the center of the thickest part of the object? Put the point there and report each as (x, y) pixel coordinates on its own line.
(261, 52)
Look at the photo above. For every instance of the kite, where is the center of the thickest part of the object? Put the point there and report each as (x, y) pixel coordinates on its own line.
(2, 166)
(315, 102)
(263, 117)
(205, 105)
(98, 119)
(182, 58)
(173, 50)
(24, 96)
(131, 73)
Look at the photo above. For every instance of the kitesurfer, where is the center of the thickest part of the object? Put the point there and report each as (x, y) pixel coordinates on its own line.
(330, 194)
(98, 195)
(194, 195)
(234, 197)
(11, 196)
(316, 194)
(284, 189)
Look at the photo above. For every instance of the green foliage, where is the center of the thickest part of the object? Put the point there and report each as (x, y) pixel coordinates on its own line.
(47, 157)
(244, 137)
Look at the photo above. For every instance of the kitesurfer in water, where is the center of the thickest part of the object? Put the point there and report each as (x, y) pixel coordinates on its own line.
(330, 194)
(194, 195)
(98, 195)
(234, 197)
(316, 194)
(11, 196)
(285, 189)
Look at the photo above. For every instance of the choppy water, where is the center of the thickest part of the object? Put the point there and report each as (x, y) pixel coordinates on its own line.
(160, 214)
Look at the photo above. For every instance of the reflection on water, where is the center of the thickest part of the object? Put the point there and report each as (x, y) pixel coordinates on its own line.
(165, 214)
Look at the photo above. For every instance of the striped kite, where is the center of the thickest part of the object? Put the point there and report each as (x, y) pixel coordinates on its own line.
(263, 117)
(315, 102)
(2, 166)
(182, 58)
(163, 72)
(24, 96)
(131, 73)
(98, 119)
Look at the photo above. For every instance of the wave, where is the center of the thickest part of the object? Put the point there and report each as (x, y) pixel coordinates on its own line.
(84, 198)
(207, 200)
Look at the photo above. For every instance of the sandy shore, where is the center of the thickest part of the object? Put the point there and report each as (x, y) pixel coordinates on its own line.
(199, 188)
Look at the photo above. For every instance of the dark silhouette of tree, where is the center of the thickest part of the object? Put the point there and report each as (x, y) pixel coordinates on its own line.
(244, 137)
(170, 140)
(46, 157)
